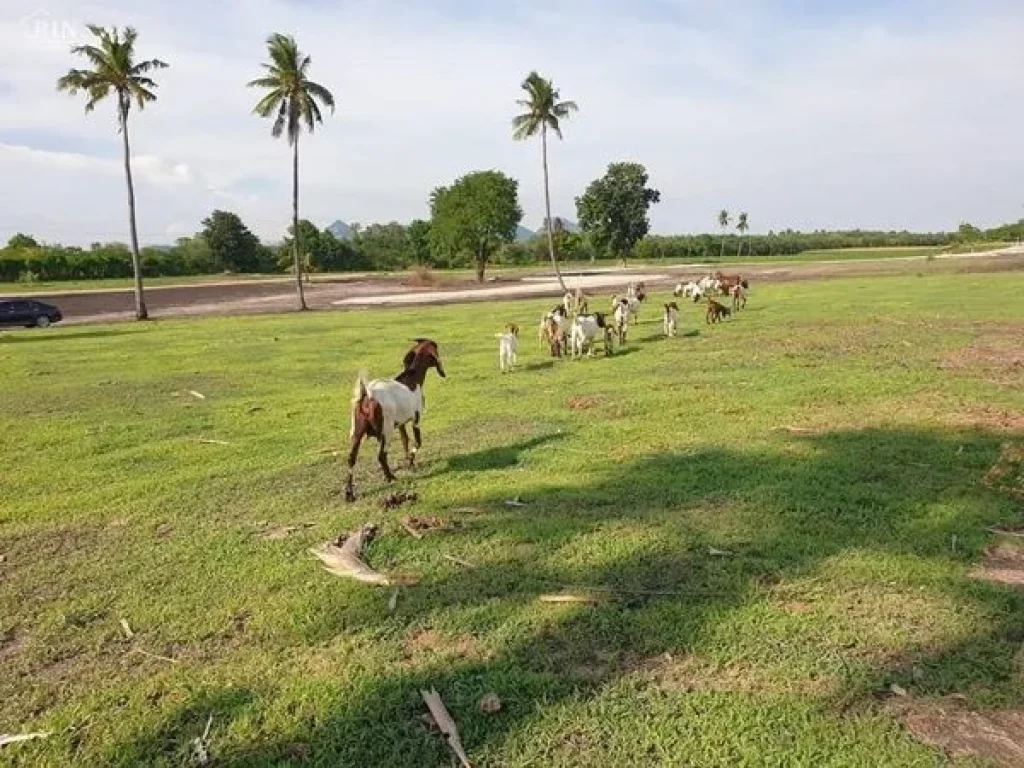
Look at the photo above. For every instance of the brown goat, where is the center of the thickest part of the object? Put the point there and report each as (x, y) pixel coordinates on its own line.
(716, 311)
(382, 405)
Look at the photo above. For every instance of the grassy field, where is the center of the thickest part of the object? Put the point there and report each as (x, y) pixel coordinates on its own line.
(782, 513)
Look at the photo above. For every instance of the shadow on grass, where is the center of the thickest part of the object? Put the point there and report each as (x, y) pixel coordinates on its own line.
(861, 493)
(501, 457)
(547, 364)
(65, 335)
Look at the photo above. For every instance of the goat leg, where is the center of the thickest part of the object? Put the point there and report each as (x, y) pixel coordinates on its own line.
(382, 458)
(410, 456)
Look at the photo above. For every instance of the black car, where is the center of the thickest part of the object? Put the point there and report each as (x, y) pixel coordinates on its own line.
(28, 313)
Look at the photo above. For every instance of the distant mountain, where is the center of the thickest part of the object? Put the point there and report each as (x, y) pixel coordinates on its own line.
(569, 226)
(523, 234)
(340, 230)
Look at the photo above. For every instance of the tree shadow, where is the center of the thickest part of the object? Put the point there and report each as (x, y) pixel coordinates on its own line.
(500, 457)
(794, 505)
(542, 366)
(29, 336)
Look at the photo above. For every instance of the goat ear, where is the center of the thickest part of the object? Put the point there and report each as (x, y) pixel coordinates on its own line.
(419, 340)
(407, 360)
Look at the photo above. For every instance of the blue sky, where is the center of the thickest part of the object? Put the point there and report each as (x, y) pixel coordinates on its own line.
(805, 114)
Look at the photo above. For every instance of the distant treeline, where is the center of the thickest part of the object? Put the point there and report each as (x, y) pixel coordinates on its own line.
(225, 244)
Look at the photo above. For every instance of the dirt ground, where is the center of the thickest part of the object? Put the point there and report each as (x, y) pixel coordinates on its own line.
(272, 297)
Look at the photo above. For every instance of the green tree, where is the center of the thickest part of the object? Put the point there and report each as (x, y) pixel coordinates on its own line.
(968, 234)
(384, 246)
(613, 210)
(473, 217)
(741, 226)
(419, 241)
(544, 111)
(115, 71)
(232, 245)
(293, 101)
(310, 244)
(19, 241)
(723, 222)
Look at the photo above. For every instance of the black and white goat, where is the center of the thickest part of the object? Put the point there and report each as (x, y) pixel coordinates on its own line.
(586, 330)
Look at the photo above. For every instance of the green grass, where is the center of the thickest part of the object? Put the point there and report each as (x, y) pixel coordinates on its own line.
(831, 438)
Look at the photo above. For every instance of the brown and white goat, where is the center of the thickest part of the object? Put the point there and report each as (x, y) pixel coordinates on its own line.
(382, 405)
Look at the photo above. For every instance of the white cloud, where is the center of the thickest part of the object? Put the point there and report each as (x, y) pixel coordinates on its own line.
(812, 122)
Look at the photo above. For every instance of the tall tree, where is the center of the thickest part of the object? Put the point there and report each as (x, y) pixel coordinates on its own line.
(741, 226)
(233, 246)
(723, 222)
(613, 210)
(294, 101)
(544, 112)
(115, 71)
(474, 216)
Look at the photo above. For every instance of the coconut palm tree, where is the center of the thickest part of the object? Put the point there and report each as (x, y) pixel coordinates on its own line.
(294, 101)
(723, 222)
(741, 226)
(115, 71)
(544, 112)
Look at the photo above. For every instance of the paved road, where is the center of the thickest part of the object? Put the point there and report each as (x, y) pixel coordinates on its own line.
(277, 295)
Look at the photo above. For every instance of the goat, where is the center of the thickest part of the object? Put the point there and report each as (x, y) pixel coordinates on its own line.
(382, 405)
(716, 311)
(586, 329)
(620, 317)
(574, 302)
(708, 284)
(508, 347)
(739, 297)
(554, 331)
(690, 290)
(671, 319)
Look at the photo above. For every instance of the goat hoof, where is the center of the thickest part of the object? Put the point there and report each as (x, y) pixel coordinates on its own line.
(350, 495)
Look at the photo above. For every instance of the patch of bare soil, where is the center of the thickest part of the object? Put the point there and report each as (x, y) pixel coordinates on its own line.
(1003, 564)
(949, 725)
(997, 355)
(582, 403)
(987, 417)
(1007, 474)
(430, 643)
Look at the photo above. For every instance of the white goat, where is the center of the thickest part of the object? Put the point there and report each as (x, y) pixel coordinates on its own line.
(671, 319)
(621, 318)
(508, 348)
(586, 330)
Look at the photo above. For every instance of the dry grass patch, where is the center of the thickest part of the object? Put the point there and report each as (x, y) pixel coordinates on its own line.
(963, 733)
(429, 645)
(691, 673)
(997, 356)
(1003, 564)
(1007, 474)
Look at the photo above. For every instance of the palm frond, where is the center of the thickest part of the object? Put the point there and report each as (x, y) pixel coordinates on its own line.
(272, 101)
(319, 92)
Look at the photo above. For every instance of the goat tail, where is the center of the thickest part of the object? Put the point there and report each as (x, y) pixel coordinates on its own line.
(359, 392)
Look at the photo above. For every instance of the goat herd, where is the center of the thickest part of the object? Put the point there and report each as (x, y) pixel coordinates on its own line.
(570, 328)
(383, 406)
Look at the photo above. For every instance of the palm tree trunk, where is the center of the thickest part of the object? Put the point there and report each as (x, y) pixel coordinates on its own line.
(140, 299)
(721, 253)
(547, 207)
(295, 225)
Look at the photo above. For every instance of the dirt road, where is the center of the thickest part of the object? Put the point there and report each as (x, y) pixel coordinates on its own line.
(363, 291)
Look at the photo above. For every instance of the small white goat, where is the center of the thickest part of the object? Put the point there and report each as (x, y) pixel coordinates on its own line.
(671, 319)
(508, 347)
(586, 330)
(621, 318)
(709, 284)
